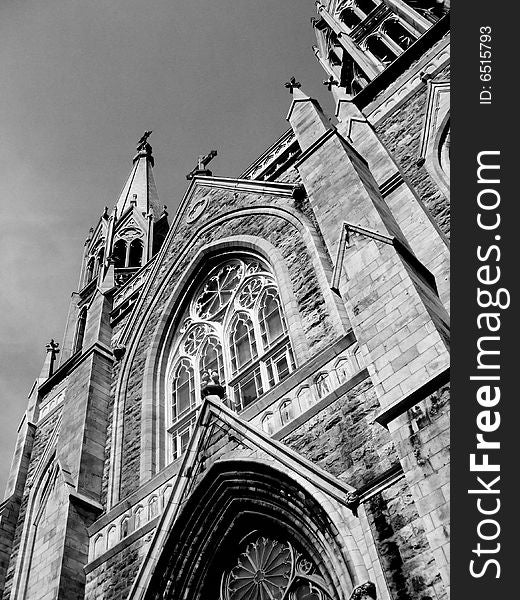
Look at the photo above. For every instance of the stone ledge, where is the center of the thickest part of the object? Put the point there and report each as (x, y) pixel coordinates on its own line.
(321, 404)
(127, 541)
(398, 408)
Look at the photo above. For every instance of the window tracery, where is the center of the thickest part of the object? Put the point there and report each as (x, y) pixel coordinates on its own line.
(269, 569)
(234, 325)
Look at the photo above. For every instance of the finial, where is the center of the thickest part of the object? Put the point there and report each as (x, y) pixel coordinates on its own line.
(330, 82)
(105, 213)
(144, 148)
(292, 83)
(143, 141)
(52, 346)
(202, 162)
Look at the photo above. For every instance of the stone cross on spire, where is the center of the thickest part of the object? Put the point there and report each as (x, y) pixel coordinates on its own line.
(143, 141)
(292, 83)
(202, 161)
(330, 82)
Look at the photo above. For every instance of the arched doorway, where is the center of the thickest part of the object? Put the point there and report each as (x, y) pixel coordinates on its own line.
(249, 532)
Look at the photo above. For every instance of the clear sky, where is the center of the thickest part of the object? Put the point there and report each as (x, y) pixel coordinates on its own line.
(79, 84)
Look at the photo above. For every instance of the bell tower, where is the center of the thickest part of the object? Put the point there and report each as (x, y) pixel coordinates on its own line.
(121, 243)
(360, 40)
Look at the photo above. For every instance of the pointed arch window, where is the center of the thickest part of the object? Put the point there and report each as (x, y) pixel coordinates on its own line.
(80, 330)
(268, 423)
(287, 412)
(233, 324)
(211, 357)
(242, 342)
(119, 254)
(90, 269)
(183, 389)
(99, 262)
(272, 323)
(350, 18)
(135, 253)
(398, 33)
(378, 48)
(367, 6)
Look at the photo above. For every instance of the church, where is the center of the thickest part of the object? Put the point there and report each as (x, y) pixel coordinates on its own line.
(251, 397)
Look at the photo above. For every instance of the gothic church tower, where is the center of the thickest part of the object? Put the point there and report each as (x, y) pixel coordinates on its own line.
(251, 400)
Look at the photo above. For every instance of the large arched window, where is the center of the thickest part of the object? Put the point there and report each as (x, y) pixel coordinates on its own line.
(234, 325)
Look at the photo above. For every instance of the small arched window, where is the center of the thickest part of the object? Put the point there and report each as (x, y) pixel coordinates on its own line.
(305, 398)
(287, 412)
(99, 545)
(125, 527)
(183, 396)
(322, 384)
(135, 254)
(138, 517)
(344, 369)
(99, 262)
(350, 18)
(367, 6)
(398, 33)
(119, 254)
(153, 507)
(90, 269)
(242, 342)
(112, 537)
(359, 361)
(80, 330)
(268, 423)
(166, 492)
(376, 46)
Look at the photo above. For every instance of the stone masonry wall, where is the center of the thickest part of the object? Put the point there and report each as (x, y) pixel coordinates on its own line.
(406, 559)
(113, 579)
(342, 439)
(41, 439)
(401, 133)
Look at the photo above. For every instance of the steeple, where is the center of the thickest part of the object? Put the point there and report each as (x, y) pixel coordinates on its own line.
(140, 190)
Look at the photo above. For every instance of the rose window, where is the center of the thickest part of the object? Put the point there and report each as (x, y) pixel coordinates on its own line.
(194, 339)
(218, 290)
(249, 293)
(271, 570)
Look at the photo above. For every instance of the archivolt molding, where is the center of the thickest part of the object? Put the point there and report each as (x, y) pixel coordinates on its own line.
(134, 329)
(329, 495)
(436, 120)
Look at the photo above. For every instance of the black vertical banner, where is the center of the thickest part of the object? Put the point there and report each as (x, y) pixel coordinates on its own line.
(485, 323)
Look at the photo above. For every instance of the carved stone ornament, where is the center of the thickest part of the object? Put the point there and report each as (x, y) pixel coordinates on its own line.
(272, 570)
(118, 351)
(365, 591)
(196, 208)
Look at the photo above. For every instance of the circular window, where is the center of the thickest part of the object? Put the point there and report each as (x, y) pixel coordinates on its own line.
(217, 292)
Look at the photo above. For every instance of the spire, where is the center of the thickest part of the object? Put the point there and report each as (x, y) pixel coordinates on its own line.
(140, 189)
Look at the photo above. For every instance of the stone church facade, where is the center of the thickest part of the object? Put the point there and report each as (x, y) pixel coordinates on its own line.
(251, 398)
